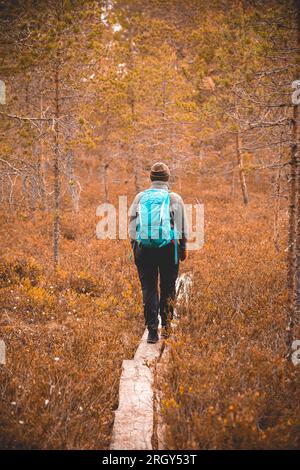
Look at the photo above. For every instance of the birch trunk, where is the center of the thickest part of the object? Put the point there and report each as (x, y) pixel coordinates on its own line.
(240, 161)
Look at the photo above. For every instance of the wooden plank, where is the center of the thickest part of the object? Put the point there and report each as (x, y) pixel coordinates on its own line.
(134, 419)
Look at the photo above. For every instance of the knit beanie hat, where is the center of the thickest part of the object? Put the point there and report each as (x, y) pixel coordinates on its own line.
(159, 172)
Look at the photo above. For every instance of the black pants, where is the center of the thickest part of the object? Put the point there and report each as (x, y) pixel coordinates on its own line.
(150, 262)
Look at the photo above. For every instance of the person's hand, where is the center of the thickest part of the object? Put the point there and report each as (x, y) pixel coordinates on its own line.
(183, 254)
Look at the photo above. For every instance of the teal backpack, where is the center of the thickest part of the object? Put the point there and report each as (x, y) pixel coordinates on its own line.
(154, 225)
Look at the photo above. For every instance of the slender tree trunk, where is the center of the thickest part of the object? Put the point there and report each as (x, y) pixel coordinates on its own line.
(41, 179)
(296, 320)
(296, 316)
(277, 210)
(131, 98)
(239, 152)
(134, 157)
(41, 163)
(240, 161)
(105, 177)
(56, 171)
(32, 197)
(232, 188)
(73, 183)
(294, 219)
(291, 273)
(277, 200)
(137, 172)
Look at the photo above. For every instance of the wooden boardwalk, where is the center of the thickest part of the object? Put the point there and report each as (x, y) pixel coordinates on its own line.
(133, 425)
(134, 419)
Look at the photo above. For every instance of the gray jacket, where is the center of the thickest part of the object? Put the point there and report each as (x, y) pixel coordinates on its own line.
(177, 214)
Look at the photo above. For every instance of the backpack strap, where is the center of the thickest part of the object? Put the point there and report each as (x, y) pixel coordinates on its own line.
(176, 249)
(163, 206)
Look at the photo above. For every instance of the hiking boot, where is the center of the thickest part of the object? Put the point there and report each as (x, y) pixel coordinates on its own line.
(166, 331)
(152, 336)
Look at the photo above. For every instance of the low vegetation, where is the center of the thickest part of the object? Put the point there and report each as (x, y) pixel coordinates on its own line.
(66, 336)
(227, 383)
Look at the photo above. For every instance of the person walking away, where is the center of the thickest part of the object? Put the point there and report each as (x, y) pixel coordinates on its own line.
(158, 235)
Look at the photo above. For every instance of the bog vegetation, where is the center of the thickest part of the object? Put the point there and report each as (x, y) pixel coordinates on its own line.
(95, 92)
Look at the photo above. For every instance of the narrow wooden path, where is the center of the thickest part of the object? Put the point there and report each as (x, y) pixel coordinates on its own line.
(134, 419)
(133, 425)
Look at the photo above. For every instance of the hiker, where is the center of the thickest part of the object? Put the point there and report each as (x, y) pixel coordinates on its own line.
(158, 229)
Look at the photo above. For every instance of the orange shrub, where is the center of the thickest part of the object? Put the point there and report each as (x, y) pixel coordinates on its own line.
(66, 335)
(227, 384)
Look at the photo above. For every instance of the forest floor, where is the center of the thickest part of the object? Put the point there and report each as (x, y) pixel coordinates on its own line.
(66, 334)
(227, 384)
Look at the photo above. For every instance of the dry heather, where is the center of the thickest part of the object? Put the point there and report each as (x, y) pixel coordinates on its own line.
(66, 336)
(227, 384)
